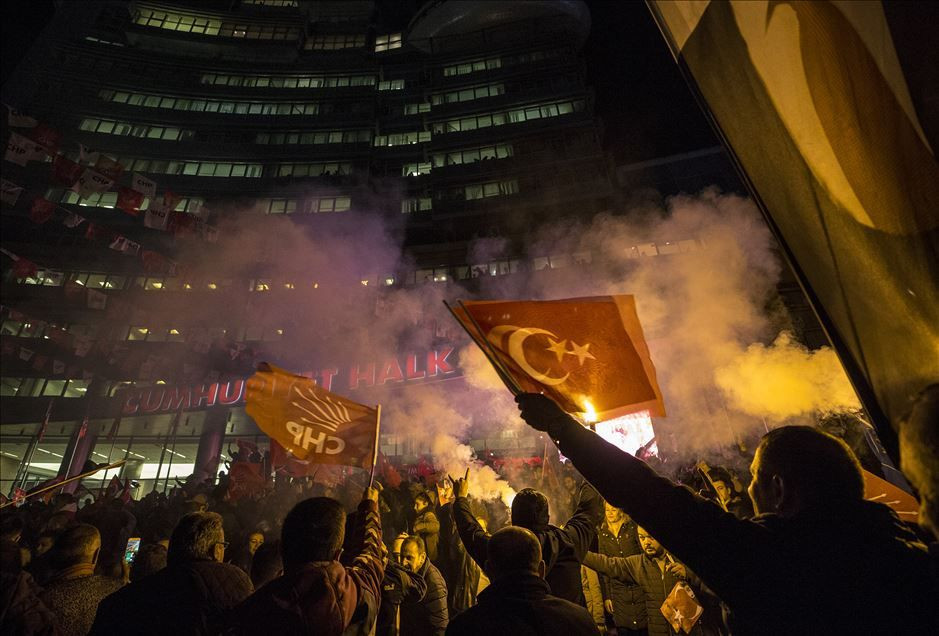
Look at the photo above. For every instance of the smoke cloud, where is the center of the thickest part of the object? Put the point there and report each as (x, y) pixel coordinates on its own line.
(703, 270)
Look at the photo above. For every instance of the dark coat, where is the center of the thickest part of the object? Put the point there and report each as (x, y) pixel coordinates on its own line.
(181, 599)
(428, 616)
(629, 601)
(400, 585)
(847, 570)
(521, 605)
(321, 597)
(656, 584)
(562, 549)
(21, 610)
(75, 601)
(427, 526)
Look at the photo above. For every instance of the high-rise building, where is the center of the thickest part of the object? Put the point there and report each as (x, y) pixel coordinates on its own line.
(465, 120)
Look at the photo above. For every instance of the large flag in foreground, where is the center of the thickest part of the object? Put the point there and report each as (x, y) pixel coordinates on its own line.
(823, 105)
(310, 422)
(588, 354)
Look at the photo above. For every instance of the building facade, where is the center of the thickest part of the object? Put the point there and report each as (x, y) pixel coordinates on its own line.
(316, 111)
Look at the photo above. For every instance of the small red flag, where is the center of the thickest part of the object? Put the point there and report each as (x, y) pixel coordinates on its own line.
(41, 210)
(23, 268)
(129, 200)
(46, 137)
(65, 171)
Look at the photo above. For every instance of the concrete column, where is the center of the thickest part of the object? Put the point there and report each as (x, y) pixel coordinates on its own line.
(76, 454)
(210, 443)
(132, 469)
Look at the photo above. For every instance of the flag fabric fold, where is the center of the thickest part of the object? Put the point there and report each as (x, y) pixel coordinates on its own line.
(588, 354)
(826, 107)
(311, 423)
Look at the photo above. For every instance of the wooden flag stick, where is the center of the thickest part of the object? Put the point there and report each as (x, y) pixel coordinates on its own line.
(371, 478)
(486, 348)
(116, 464)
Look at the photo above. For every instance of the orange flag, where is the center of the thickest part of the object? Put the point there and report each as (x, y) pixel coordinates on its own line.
(588, 354)
(882, 491)
(310, 422)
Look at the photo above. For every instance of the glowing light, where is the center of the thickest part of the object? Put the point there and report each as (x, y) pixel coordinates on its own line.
(590, 414)
(629, 432)
(212, 286)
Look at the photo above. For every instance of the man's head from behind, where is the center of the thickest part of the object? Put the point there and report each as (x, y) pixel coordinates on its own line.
(313, 531)
(76, 546)
(514, 550)
(530, 509)
(799, 468)
(198, 536)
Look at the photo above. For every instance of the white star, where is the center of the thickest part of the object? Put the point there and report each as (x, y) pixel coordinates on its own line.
(559, 348)
(581, 352)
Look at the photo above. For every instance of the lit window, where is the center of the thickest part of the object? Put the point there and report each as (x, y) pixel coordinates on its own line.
(387, 42)
(138, 333)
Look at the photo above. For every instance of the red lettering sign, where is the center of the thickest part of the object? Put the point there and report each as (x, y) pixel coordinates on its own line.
(413, 373)
(437, 361)
(390, 372)
(357, 374)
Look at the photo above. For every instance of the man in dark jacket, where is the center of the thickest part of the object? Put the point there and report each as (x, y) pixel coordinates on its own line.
(816, 559)
(75, 591)
(189, 596)
(656, 573)
(427, 616)
(518, 602)
(426, 524)
(400, 585)
(617, 537)
(318, 594)
(562, 549)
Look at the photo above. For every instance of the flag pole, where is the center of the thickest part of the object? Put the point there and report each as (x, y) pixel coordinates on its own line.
(371, 477)
(116, 464)
(485, 347)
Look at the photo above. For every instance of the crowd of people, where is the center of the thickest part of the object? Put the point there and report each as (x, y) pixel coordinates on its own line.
(612, 547)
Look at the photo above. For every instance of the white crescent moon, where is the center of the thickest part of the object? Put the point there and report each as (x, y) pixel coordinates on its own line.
(517, 353)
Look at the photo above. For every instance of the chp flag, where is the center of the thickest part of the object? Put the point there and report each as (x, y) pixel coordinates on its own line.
(828, 110)
(309, 422)
(587, 354)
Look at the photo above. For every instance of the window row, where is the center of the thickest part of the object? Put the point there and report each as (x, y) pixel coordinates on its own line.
(314, 206)
(401, 139)
(467, 94)
(387, 42)
(416, 204)
(455, 158)
(490, 189)
(212, 26)
(41, 387)
(108, 200)
(28, 329)
(313, 169)
(126, 128)
(192, 168)
(415, 169)
(309, 138)
(414, 109)
(210, 105)
(334, 42)
(391, 85)
(464, 68)
(273, 3)
(508, 117)
(290, 81)
(472, 67)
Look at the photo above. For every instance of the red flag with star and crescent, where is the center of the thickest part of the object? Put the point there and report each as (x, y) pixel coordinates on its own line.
(587, 354)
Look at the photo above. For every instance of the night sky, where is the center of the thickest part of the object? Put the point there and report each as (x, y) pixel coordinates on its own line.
(643, 102)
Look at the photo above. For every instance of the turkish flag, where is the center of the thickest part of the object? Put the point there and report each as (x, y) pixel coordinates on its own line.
(310, 422)
(245, 479)
(587, 354)
(24, 268)
(129, 200)
(65, 171)
(41, 210)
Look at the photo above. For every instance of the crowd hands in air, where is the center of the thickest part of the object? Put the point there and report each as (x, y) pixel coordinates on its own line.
(800, 552)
